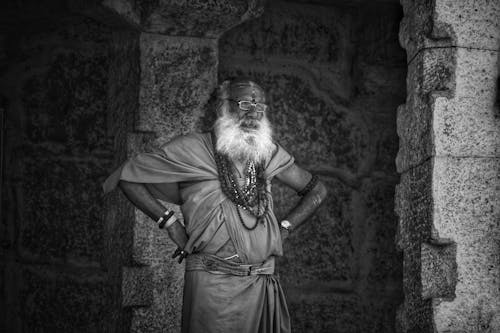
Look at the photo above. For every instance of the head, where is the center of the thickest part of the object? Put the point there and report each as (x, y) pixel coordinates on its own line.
(242, 128)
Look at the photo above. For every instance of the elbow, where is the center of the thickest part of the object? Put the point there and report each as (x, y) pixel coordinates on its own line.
(319, 194)
(322, 191)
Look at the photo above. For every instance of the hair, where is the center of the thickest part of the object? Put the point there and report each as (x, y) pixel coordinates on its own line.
(231, 139)
(228, 87)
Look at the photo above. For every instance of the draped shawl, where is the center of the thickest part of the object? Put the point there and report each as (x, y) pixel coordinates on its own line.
(184, 172)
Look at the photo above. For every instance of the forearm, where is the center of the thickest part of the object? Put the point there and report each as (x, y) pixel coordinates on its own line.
(139, 195)
(307, 205)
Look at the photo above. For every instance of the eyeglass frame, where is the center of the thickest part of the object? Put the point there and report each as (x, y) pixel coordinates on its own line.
(252, 104)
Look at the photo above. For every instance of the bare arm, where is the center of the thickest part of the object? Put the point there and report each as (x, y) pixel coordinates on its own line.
(297, 178)
(139, 195)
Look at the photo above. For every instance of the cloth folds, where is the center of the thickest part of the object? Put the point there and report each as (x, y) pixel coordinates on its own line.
(184, 172)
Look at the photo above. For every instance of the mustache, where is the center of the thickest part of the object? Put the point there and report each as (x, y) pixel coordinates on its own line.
(238, 140)
(249, 123)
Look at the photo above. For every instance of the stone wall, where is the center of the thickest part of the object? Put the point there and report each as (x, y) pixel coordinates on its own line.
(336, 76)
(80, 97)
(448, 200)
(53, 83)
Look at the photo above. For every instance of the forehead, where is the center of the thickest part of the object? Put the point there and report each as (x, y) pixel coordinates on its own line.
(247, 91)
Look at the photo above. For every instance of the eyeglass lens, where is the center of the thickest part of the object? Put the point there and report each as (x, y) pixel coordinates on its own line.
(246, 105)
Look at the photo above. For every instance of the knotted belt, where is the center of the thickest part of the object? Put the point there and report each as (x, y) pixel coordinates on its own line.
(217, 265)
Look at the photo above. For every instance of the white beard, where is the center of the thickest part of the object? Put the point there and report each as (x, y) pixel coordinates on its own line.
(256, 144)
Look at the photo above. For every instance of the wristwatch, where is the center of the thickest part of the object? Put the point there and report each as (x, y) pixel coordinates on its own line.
(285, 224)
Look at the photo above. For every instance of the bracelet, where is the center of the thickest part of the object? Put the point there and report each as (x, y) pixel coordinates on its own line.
(312, 183)
(162, 217)
(167, 219)
(180, 253)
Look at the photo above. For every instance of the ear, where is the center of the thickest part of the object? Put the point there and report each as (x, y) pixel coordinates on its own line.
(224, 90)
(222, 96)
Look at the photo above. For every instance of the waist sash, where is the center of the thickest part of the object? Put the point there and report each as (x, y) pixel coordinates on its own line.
(217, 265)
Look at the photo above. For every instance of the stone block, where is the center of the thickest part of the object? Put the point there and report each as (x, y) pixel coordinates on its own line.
(123, 90)
(178, 75)
(415, 312)
(472, 24)
(52, 300)
(143, 238)
(185, 18)
(415, 318)
(56, 143)
(349, 313)
(137, 286)
(320, 252)
(380, 263)
(165, 313)
(438, 270)
(413, 205)
(467, 210)
(59, 194)
(467, 123)
(450, 108)
(457, 204)
(431, 73)
(140, 142)
(117, 234)
(444, 23)
(310, 42)
(314, 34)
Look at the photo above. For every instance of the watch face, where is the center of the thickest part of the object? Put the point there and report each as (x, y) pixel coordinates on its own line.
(286, 224)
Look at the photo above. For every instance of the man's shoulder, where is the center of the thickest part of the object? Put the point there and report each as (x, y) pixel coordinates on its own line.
(279, 161)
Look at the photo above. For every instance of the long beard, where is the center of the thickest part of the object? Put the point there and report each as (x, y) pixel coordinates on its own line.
(233, 141)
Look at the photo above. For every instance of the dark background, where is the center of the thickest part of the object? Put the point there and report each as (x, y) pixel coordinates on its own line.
(335, 74)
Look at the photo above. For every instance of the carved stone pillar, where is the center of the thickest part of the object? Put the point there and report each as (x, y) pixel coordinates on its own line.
(164, 69)
(449, 159)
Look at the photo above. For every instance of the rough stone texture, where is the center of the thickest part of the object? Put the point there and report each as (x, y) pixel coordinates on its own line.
(53, 79)
(450, 106)
(185, 18)
(62, 100)
(136, 286)
(343, 315)
(333, 90)
(467, 210)
(430, 75)
(177, 78)
(439, 270)
(469, 123)
(123, 99)
(445, 23)
(413, 205)
(52, 300)
(448, 200)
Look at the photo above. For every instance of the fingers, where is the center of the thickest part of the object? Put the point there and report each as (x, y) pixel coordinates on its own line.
(180, 253)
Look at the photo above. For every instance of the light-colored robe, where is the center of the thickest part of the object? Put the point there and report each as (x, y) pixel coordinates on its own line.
(214, 302)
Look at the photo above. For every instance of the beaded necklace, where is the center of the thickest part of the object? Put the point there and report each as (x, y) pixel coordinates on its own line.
(252, 196)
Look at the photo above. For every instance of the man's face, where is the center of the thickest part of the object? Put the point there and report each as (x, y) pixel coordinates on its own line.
(248, 107)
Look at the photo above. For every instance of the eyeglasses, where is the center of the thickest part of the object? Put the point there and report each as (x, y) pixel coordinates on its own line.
(247, 105)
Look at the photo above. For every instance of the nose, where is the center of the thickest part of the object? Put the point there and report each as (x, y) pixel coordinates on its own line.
(252, 113)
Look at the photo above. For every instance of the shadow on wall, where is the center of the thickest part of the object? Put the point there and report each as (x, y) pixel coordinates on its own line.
(53, 75)
(335, 76)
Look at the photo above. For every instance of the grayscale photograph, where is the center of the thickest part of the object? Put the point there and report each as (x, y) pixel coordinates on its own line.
(250, 166)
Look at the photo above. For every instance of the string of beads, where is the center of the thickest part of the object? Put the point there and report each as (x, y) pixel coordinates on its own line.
(252, 196)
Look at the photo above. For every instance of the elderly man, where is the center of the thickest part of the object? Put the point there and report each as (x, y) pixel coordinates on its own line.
(222, 180)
